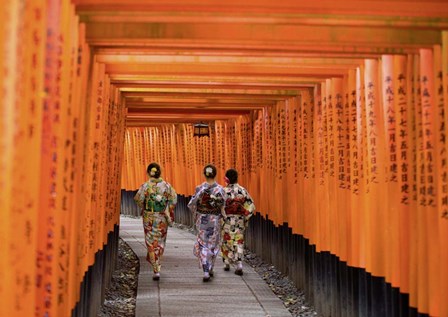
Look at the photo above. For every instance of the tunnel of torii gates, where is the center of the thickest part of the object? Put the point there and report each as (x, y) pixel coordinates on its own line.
(333, 112)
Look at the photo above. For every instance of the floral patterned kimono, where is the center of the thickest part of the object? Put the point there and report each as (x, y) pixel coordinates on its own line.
(239, 207)
(157, 199)
(206, 206)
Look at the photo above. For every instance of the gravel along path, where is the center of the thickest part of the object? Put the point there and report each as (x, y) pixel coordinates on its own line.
(293, 298)
(122, 292)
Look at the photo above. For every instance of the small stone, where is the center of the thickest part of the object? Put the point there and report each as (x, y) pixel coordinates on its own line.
(283, 287)
(122, 292)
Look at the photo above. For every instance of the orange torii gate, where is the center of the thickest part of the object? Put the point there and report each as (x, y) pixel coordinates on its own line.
(334, 113)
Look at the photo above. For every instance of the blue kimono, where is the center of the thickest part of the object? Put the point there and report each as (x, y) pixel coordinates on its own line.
(207, 205)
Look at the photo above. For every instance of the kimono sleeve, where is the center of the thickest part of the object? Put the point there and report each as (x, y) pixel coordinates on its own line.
(192, 204)
(139, 198)
(172, 196)
(171, 204)
(249, 206)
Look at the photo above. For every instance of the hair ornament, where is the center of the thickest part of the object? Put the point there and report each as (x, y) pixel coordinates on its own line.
(208, 171)
(153, 171)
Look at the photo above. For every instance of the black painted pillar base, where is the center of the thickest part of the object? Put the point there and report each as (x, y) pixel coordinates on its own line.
(334, 288)
(97, 278)
(182, 214)
(128, 205)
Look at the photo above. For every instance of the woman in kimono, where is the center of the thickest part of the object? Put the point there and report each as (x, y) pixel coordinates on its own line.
(239, 207)
(207, 207)
(157, 200)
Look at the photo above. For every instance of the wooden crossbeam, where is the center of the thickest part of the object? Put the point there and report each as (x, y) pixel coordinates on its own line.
(235, 70)
(195, 100)
(207, 81)
(221, 96)
(124, 58)
(143, 120)
(272, 49)
(247, 34)
(361, 50)
(136, 113)
(235, 106)
(255, 91)
(190, 60)
(417, 8)
(397, 21)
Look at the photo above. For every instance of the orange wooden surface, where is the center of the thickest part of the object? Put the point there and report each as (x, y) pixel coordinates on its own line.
(333, 112)
(9, 293)
(45, 136)
(381, 215)
(443, 212)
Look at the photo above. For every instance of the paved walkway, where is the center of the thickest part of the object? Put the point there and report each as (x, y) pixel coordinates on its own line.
(181, 292)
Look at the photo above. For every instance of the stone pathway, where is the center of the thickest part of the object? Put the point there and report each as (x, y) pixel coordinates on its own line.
(181, 292)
